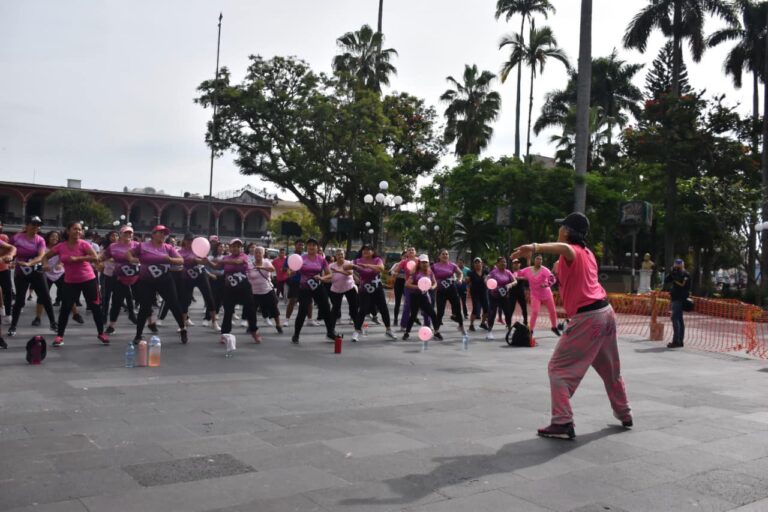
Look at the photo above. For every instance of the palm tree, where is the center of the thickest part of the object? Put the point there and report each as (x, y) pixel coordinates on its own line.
(612, 90)
(364, 63)
(678, 20)
(600, 128)
(541, 46)
(472, 106)
(526, 8)
(583, 96)
(381, 15)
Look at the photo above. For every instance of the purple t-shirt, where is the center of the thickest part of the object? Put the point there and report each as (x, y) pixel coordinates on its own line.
(154, 260)
(236, 266)
(502, 279)
(27, 249)
(444, 274)
(367, 274)
(127, 272)
(310, 268)
(415, 277)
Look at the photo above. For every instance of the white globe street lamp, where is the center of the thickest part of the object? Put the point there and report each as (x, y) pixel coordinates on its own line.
(430, 219)
(423, 227)
(370, 231)
(367, 224)
(380, 198)
(383, 185)
(122, 217)
(398, 200)
(116, 223)
(368, 199)
(437, 228)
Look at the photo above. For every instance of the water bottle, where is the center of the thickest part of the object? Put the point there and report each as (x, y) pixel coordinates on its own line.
(424, 346)
(365, 329)
(465, 342)
(130, 355)
(231, 345)
(141, 353)
(154, 351)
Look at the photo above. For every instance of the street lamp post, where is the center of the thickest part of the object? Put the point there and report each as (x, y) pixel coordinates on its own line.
(382, 201)
(213, 137)
(760, 227)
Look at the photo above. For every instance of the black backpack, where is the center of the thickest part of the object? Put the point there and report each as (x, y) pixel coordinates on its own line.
(36, 350)
(519, 336)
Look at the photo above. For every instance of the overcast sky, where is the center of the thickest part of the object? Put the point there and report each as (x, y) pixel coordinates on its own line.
(102, 90)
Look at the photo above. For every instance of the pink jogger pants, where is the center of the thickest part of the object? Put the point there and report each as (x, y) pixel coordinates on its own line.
(589, 340)
(536, 306)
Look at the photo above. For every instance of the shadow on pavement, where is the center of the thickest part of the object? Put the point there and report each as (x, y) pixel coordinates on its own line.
(455, 470)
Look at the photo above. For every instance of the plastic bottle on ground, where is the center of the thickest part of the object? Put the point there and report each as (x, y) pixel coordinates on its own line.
(141, 353)
(154, 351)
(130, 355)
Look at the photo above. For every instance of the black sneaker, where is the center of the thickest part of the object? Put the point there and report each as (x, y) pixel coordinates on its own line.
(3, 344)
(557, 333)
(295, 339)
(110, 330)
(77, 317)
(627, 423)
(484, 326)
(674, 345)
(54, 327)
(36, 322)
(153, 328)
(331, 336)
(132, 318)
(472, 328)
(438, 336)
(558, 431)
(279, 329)
(137, 340)
(183, 334)
(417, 321)
(406, 336)
(12, 331)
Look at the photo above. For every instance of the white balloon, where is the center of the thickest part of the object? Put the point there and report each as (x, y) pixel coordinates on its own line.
(383, 185)
(368, 199)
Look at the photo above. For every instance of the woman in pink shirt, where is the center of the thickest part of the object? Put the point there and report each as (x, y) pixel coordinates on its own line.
(419, 299)
(499, 298)
(155, 258)
(369, 268)
(342, 285)
(194, 275)
(311, 273)
(540, 279)
(30, 249)
(590, 339)
(7, 253)
(446, 274)
(77, 255)
(124, 276)
(264, 296)
(237, 289)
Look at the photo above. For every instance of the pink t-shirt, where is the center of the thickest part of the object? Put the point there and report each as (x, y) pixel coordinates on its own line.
(75, 271)
(416, 276)
(539, 282)
(125, 271)
(444, 274)
(340, 281)
(260, 279)
(240, 265)
(310, 268)
(280, 272)
(579, 286)
(154, 260)
(502, 280)
(27, 249)
(368, 275)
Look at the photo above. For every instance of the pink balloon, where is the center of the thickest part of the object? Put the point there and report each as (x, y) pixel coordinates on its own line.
(491, 284)
(201, 247)
(425, 333)
(295, 262)
(411, 265)
(425, 284)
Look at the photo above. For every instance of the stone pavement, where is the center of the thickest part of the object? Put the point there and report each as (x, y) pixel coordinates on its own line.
(380, 427)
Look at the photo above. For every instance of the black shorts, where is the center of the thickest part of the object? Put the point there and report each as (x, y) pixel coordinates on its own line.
(267, 303)
(293, 289)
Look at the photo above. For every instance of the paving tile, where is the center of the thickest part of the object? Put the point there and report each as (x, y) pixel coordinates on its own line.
(491, 501)
(732, 486)
(564, 492)
(654, 440)
(150, 474)
(373, 444)
(59, 506)
(670, 497)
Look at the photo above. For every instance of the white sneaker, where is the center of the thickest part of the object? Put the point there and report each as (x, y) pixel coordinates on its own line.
(244, 323)
(270, 322)
(355, 336)
(489, 336)
(190, 322)
(206, 323)
(158, 322)
(216, 326)
(316, 322)
(235, 316)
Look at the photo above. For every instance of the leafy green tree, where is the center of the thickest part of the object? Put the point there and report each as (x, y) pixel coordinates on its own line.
(526, 9)
(472, 106)
(80, 205)
(303, 218)
(658, 81)
(541, 47)
(307, 134)
(364, 61)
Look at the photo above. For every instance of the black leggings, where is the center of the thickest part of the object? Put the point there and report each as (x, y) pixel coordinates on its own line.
(399, 288)
(120, 293)
(323, 308)
(50, 288)
(268, 304)
(232, 296)
(451, 295)
(145, 292)
(518, 297)
(188, 286)
(352, 301)
(70, 293)
(107, 284)
(370, 302)
(35, 280)
(420, 301)
(7, 288)
(500, 304)
(178, 282)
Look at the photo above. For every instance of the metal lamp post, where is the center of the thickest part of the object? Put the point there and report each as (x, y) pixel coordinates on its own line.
(381, 201)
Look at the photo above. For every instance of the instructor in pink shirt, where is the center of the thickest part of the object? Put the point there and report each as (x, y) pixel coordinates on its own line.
(590, 339)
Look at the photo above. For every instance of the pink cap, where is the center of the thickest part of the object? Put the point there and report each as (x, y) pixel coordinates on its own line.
(235, 241)
(162, 228)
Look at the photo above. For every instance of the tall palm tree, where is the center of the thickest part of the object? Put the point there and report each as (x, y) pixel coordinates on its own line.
(612, 90)
(526, 9)
(583, 96)
(472, 106)
(381, 15)
(748, 54)
(365, 62)
(678, 20)
(541, 47)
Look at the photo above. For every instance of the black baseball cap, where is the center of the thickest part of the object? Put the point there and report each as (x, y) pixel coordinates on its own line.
(34, 219)
(575, 221)
(311, 241)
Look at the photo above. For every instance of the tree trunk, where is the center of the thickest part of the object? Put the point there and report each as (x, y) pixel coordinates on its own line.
(764, 233)
(582, 107)
(670, 200)
(519, 94)
(381, 14)
(530, 115)
(753, 218)
(677, 48)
